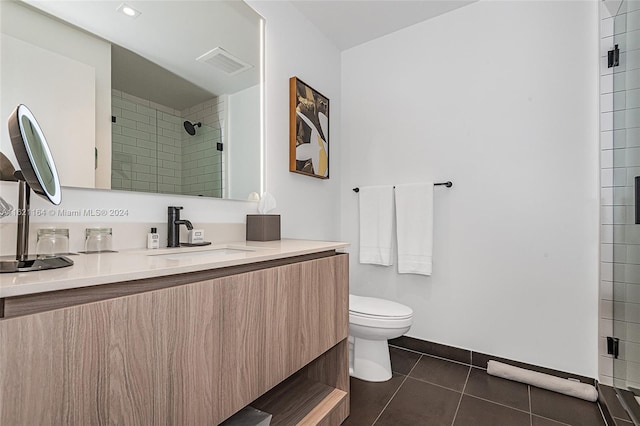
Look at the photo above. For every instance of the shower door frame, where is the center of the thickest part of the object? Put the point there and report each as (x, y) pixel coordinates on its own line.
(621, 121)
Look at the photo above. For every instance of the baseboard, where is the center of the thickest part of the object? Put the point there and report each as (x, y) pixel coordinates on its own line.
(476, 359)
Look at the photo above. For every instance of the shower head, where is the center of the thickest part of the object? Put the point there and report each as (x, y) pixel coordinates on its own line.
(191, 127)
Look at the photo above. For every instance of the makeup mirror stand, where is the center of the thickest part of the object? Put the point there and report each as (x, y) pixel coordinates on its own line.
(24, 204)
(38, 171)
(22, 263)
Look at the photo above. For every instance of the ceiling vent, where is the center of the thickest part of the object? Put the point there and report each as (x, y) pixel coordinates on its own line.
(224, 61)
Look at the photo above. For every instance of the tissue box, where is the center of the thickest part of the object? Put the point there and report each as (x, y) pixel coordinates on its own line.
(263, 227)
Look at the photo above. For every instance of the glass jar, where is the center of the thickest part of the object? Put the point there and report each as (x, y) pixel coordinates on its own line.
(52, 242)
(97, 240)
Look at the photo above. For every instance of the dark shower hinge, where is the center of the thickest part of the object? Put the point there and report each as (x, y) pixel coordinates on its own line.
(636, 200)
(613, 346)
(113, 118)
(219, 146)
(613, 57)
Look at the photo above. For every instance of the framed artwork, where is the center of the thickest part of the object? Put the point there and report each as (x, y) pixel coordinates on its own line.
(308, 130)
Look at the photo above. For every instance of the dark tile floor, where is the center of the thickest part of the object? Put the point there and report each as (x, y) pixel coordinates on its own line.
(618, 414)
(426, 390)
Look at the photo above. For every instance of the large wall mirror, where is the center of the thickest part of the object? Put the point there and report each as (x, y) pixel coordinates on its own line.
(165, 96)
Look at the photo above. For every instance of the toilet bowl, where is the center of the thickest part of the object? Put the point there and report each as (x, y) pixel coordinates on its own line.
(372, 322)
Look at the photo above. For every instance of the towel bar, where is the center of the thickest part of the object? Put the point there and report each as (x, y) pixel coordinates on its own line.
(448, 184)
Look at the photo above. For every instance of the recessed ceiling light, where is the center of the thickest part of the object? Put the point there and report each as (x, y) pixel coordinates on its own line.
(128, 10)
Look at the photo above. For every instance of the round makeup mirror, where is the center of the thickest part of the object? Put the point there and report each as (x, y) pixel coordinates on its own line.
(38, 172)
(33, 154)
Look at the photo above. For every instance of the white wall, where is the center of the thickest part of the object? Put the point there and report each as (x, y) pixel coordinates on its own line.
(310, 207)
(500, 98)
(242, 138)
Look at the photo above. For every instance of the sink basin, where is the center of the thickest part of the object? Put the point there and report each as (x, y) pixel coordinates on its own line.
(211, 252)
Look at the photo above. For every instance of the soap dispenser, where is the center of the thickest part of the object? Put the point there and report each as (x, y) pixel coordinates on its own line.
(153, 239)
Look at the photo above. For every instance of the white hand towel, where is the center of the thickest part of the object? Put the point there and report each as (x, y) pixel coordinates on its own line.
(376, 225)
(414, 221)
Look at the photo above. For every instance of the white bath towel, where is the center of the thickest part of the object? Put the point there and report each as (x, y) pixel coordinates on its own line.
(376, 225)
(414, 221)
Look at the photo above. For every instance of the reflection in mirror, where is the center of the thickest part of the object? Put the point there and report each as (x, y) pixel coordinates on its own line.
(153, 151)
(131, 84)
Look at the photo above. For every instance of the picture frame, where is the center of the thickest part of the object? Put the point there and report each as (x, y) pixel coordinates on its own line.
(308, 130)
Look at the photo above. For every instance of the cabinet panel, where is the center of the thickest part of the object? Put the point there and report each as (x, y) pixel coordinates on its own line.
(284, 310)
(31, 357)
(189, 320)
(308, 314)
(320, 323)
(85, 347)
(163, 356)
(243, 339)
(131, 359)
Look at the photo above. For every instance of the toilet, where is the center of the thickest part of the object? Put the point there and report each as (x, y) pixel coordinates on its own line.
(372, 322)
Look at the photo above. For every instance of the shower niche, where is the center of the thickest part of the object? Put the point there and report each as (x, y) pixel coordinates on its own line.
(156, 148)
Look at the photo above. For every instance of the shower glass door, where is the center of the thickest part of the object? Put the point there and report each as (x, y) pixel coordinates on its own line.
(626, 238)
(202, 163)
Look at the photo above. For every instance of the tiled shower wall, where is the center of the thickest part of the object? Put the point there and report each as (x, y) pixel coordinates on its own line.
(153, 153)
(620, 163)
(203, 166)
(146, 145)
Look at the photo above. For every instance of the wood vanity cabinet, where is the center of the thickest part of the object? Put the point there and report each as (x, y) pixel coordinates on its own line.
(187, 354)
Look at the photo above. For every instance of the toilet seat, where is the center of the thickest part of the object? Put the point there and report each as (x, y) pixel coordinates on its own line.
(371, 307)
(374, 312)
(380, 322)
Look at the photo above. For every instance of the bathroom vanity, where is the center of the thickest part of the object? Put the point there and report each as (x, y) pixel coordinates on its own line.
(179, 336)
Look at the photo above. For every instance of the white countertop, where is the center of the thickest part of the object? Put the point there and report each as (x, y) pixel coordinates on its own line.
(106, 268)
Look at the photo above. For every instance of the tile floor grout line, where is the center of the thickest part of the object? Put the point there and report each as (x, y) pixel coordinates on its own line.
(431, 383)
(530, 412)
(551, 420)
(396, 392)
(406, 349)
(543, 417)
(434, 356)
(461, 396)
(538, 415)
(604, 420)
(497, 403)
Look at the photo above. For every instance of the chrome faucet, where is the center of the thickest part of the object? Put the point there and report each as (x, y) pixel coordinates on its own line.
(174, 226)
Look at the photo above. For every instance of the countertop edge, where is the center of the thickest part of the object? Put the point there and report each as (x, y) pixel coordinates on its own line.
(29, 283)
